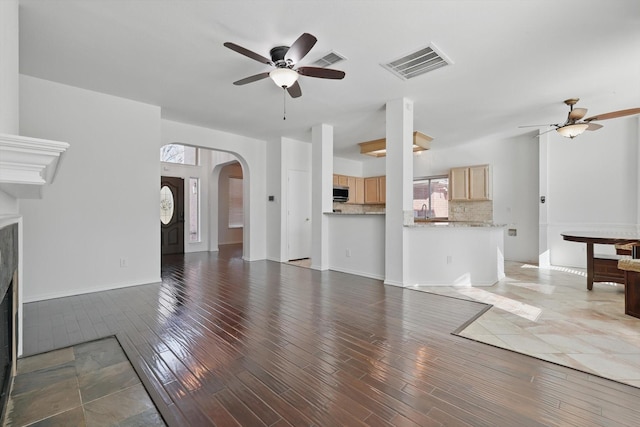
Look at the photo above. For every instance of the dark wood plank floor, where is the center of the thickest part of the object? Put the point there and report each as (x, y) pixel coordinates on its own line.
(225, 342)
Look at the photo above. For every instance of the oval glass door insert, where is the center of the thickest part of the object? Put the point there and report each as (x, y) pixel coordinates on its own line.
(166, 205)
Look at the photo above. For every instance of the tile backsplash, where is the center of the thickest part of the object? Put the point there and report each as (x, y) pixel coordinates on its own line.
(356, 209)
(480, 211)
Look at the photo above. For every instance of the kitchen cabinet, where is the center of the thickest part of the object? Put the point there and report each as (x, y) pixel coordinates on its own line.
(470, 183)
(340, 180)
(356, 190)
(375, 189)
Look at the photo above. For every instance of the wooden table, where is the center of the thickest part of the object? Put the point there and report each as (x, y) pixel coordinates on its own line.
(602, 238)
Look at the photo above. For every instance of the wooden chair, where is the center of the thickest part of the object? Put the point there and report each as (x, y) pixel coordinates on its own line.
(631, 268)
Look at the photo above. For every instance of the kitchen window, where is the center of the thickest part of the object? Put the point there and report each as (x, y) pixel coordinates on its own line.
(431, 197)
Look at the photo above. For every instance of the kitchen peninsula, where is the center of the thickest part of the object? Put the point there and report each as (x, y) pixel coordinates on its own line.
(456, 253)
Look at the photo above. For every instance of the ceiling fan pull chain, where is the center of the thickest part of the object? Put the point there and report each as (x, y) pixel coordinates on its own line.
(284, 103)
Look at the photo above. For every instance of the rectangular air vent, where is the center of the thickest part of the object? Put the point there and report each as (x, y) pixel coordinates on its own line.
(329, 59)
(417, 63)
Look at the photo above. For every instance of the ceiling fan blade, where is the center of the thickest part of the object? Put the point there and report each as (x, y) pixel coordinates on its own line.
(300, 48)
(536, 126)
(614, 114)
(294, 90)
(594, 126)
(246, 52)
(577, 113)
(251, 79)
(323, 73)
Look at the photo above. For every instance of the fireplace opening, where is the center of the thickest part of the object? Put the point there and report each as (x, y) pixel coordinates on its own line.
(6, 344)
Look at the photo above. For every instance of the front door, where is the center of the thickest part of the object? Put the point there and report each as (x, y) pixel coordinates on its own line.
(172, 215)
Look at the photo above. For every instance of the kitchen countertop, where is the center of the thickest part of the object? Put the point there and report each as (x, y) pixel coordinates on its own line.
(351, 213)
(440, 224)
(429, 224)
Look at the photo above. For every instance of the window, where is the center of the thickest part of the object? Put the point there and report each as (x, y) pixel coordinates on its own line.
(430, 197)
(177, 153)
(194, 209)
(236, 212)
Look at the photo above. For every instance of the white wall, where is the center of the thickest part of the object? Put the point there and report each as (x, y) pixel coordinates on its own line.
(227, 235)
(251, 154)
(9, 100)
(274, 207)
(348, 167)
(9, 82)
(201, 171)
(592, 184)
(104, 204)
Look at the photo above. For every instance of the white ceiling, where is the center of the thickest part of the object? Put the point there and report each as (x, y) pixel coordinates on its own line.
(514, 61)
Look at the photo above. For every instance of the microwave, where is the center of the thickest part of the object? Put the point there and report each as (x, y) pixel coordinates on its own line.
(340, 194)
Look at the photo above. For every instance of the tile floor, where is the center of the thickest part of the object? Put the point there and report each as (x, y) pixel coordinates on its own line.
(89, 384)
(549, 314)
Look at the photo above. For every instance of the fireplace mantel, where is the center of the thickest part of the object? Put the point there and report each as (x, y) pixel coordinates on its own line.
(28, 164)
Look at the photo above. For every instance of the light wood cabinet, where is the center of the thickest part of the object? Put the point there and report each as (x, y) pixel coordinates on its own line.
(363, 190)
(356, 190)
(470, 183)
(480, 183)
(375, 189)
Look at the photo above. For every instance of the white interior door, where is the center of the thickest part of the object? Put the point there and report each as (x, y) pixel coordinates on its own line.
(298, 214)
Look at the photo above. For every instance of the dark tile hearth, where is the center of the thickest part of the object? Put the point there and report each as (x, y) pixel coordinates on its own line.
(89, 384)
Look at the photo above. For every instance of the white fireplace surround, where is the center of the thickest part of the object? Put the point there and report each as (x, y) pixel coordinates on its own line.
(27, 164)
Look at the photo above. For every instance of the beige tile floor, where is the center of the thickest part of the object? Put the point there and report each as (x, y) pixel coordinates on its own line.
(549, 314)
(89, 384)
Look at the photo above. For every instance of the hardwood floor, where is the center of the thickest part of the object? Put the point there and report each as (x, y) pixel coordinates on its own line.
(226, 342)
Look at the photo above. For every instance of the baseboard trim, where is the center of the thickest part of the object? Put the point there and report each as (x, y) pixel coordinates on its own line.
(357, 273)
(74, 292)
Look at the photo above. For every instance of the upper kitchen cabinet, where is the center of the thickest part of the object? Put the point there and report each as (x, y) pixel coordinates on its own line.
(340, 180)
(470, 183)
(375, 190)
(356, 190)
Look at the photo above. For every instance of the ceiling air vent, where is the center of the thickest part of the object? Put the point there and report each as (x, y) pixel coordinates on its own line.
(419, 62)
(329, 59)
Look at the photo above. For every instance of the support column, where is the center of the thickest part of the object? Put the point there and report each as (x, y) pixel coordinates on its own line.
(321, 194)
(399, 196)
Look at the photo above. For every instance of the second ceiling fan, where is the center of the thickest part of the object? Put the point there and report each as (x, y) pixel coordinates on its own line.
(576, 124)
(285, 59)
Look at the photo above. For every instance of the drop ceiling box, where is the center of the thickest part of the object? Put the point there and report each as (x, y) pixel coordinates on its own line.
(378, 147)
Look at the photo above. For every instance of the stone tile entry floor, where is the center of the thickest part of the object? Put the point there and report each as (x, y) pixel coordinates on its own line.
(548, 313)
(89, 384)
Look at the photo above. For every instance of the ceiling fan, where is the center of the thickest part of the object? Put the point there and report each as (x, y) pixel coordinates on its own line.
(285, 59)
(575, 124)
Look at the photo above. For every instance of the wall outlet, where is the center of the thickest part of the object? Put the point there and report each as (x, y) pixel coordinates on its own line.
(449, 259)
(348, 253)
(124, 262)
(513, 232)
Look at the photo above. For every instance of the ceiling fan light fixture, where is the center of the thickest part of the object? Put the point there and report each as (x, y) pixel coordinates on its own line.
(573, 130)
(284, 77)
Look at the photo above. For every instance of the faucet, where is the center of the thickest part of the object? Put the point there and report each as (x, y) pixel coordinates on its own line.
(424, 210)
